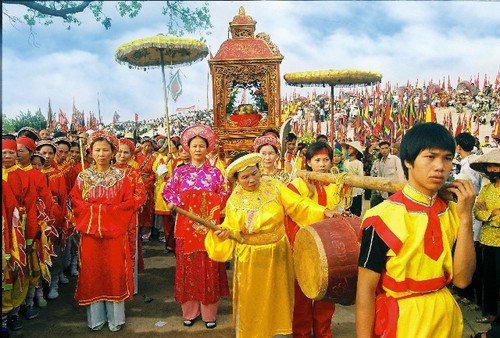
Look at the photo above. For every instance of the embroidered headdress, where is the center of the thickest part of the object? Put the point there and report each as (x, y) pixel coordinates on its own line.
(103, 134)
(198, 130)
(129, 143)
(42, 143)
(266, 140)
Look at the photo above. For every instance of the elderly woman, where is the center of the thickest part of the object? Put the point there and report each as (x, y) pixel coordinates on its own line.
(269, 147)
(263, 266)
(201, 188)
(104, 205)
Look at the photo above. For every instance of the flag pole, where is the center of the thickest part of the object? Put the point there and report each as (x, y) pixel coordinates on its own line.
(165, 96)
(99, 108)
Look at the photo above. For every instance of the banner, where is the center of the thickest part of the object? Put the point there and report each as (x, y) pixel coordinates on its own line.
(186, 109)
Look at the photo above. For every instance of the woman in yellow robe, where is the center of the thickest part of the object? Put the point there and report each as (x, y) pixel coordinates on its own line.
(263, 266)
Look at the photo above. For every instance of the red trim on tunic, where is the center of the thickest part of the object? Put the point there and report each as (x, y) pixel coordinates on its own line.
(420, 286)
(433, 238)
(384, 232)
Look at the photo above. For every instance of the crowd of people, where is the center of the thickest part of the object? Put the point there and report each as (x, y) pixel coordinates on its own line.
(84, 205)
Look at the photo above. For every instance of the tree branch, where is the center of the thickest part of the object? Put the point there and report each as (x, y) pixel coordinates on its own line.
(63, 13)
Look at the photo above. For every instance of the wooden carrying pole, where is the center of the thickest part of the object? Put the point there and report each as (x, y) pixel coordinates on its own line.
(203, 222)
(365, 182)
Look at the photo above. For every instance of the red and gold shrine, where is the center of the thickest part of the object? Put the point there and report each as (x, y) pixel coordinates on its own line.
(245, 85)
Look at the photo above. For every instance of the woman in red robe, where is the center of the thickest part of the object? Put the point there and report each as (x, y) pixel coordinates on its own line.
(125, 152)
(103, 205)
(146, 157)
(57, 186)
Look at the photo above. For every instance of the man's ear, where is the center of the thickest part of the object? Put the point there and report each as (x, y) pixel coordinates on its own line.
(407, 164)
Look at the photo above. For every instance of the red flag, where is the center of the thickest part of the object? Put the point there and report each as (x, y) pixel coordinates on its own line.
(136, 117)
(459, 126)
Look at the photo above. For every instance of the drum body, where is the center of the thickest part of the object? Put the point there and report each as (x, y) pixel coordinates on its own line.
(326, 259)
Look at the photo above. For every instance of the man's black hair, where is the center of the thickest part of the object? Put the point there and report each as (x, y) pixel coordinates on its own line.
(466, 141)
(424, 136)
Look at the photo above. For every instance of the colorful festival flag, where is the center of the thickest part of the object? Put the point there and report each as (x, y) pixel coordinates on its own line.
(175, 86)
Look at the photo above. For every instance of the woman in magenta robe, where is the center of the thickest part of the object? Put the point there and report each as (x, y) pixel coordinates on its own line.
(199, 188)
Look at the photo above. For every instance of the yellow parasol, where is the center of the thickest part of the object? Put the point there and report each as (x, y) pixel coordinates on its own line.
(161, 51)
(332, 77)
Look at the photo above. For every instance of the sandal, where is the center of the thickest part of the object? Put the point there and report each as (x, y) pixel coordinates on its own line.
(210, 325)
(189, 322)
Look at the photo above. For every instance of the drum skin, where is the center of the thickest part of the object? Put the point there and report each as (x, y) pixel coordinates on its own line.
(326, 259)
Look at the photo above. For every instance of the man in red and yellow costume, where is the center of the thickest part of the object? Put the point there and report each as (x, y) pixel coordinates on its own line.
(20, 195)
(415, 243)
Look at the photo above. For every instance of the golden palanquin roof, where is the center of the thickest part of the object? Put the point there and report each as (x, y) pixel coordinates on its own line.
(243, 43)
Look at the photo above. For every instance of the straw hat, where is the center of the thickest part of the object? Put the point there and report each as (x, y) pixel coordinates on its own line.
(492, 157)
(242, 163)
(356, 145)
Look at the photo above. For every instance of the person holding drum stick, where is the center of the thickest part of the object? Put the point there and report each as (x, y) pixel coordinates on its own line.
(313, 316)
(415, 243)
(263, 265)
(201, 188)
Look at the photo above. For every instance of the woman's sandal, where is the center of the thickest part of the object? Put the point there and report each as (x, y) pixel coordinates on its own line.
(210, 325)
(189, 322)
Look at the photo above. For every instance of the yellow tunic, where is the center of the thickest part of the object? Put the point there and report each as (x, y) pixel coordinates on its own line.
(160, 204)
(415, 300)
(263, 267)
(490, 231)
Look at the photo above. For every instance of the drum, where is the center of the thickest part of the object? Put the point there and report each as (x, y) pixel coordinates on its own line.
(326, 259)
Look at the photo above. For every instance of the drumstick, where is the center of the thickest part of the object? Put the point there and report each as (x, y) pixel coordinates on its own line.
(204, 222)
(365, 182)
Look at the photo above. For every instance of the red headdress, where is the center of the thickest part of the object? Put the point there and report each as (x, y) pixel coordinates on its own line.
(129, 143)
(27, 142)
(266, 140)
(103, 134)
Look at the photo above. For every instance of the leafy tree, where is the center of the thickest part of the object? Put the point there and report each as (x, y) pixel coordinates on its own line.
(181, 18)
(28, 119)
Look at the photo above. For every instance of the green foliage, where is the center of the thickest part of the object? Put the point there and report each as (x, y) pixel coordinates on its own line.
(28, 119)
(181, 18)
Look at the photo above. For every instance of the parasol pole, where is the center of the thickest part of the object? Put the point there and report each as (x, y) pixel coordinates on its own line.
(332, 115)
(165, 96)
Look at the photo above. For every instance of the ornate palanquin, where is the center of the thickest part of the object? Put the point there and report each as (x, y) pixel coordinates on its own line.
(246, 86)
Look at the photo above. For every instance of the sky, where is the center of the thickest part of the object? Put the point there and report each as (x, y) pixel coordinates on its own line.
(404, 41)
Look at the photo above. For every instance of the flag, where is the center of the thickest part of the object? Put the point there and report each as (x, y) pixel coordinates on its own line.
(175, 86)
(450, 123)
(475, 132)
(115, 117)
(50, 118)
(430, 114)
(389, 121)
(63, 121)
(136, 117)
